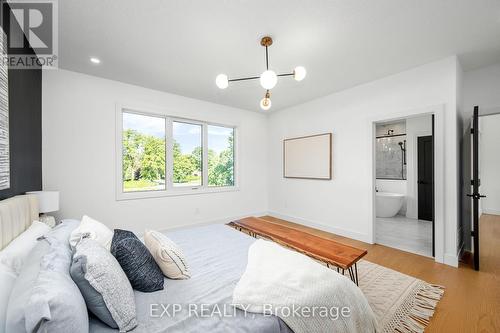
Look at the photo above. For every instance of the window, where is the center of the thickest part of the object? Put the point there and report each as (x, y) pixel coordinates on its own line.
(187, 154)
(164, 155)
(143, 153)
(220, 156)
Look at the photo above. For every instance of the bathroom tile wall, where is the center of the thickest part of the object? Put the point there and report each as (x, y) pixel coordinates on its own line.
(389, 156)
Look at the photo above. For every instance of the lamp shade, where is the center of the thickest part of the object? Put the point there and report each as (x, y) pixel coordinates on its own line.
(48, 201)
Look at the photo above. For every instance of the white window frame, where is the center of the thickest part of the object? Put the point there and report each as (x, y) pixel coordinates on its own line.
(171, 190)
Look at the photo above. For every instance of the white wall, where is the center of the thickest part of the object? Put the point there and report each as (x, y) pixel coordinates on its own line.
(344, 205)
(490, 163)
(481, 87)
(79, 154)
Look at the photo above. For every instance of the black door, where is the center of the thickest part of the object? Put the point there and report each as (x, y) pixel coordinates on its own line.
(425, 178)
(475, 182)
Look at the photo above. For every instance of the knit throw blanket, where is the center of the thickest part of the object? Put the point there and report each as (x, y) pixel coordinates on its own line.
(307, 296)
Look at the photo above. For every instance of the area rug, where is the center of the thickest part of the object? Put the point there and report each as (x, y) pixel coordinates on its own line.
(400, 302)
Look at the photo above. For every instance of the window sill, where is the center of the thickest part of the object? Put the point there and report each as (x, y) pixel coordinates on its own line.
(173, 193)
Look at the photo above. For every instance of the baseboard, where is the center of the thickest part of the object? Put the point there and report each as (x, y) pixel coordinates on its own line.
(490, 211)
(334, 230)
(451, 259)
(222, 220)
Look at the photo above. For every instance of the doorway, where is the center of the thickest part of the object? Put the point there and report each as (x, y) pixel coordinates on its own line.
(404, 179)
(481, 163)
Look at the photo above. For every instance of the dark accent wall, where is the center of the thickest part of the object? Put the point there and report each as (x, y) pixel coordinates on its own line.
(25, 130)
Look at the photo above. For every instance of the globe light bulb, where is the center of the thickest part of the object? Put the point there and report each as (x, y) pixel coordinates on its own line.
(265, 103)
(221, 81)
(268, 79)
(299, 73)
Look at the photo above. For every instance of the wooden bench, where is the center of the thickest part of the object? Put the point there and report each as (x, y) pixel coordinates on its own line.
(343, 257)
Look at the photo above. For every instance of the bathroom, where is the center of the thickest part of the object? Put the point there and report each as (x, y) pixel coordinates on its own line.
(404, 184)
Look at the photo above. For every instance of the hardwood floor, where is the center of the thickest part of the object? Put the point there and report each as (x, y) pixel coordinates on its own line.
(471, 302)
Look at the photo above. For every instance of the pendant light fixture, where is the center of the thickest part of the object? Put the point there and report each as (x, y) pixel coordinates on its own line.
(268, 79)
(265, 103)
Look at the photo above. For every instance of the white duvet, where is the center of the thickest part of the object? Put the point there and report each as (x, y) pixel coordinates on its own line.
(306, 295)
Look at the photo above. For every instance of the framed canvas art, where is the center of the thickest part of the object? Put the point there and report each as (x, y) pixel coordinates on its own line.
(4, 116)
(308, 157)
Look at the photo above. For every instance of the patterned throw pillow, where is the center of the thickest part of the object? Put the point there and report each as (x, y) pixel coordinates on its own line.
(136, 261)
(104, 286)
(167, 254)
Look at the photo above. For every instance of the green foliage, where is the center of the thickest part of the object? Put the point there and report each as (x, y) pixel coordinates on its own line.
(143, 156)
(183, 167)
(131, 185)
(220, 167)
(153, 159)
(144, 162)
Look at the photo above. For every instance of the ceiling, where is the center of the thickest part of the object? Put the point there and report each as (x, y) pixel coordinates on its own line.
(180, 46)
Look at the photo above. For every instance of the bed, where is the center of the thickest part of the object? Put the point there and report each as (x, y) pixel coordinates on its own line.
(217, 256)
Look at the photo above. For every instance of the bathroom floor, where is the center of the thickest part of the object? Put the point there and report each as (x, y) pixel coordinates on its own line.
(405, 234)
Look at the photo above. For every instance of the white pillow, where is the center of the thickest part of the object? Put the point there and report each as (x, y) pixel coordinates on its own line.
(15, 254)
(94, 230)
(167, 255)
(7, 280)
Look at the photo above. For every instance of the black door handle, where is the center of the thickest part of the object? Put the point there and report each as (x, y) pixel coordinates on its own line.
(476, 195)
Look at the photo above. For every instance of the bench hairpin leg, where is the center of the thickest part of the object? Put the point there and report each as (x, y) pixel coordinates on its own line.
(351, 273)
(356, 270)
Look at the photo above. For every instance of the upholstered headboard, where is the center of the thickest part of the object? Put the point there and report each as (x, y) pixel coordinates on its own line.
(16, 215)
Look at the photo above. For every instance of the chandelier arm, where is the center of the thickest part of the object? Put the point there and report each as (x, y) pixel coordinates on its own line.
(267, 59)
(244, 78)
(286, 74)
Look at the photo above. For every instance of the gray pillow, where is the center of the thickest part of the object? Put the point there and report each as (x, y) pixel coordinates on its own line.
(44, 297)
(104, 285)
(21, 292)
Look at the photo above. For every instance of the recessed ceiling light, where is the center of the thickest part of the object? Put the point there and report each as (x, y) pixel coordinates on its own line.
(95, 60)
